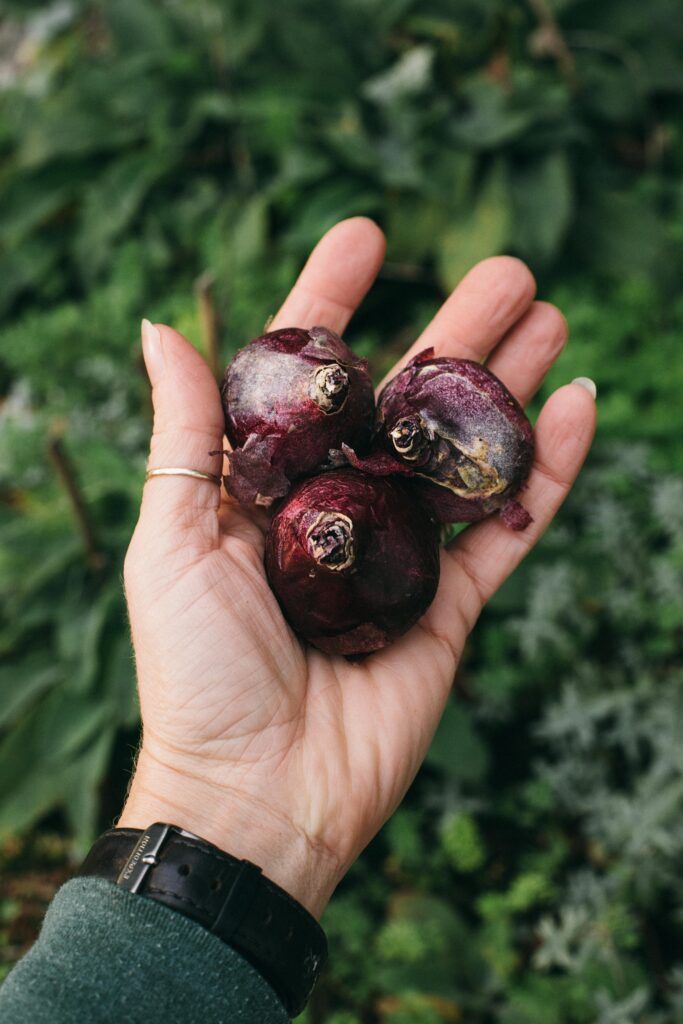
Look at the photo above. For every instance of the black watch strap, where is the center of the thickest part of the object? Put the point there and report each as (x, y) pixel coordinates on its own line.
(229, 897)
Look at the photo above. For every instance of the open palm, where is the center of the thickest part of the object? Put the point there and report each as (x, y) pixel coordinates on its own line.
(270, 749)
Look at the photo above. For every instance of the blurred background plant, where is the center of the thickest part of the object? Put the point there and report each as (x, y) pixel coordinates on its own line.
(178, 160)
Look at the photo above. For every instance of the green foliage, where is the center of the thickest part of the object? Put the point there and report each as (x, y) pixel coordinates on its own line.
(533, 872)
(462, 842)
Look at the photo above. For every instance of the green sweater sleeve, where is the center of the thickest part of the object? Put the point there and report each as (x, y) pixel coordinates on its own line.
(104, 954)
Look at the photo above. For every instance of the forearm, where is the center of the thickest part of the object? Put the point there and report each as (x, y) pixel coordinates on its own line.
(104, 954)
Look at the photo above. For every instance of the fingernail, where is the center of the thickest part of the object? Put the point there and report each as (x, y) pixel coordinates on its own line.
(152, 351)
(588, 384)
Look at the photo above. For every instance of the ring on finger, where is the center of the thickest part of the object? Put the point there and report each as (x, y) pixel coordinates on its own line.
(180, 471)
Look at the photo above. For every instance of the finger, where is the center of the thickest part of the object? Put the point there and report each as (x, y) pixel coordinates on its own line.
(482, 557)
(483, 307)
(178, 512)
(337, 275)
(529, 349)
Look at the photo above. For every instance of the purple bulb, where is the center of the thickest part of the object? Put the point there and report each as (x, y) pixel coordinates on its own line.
(353, 560)
(288, 397)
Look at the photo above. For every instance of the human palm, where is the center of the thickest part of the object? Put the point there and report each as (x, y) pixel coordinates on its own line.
(267, 747)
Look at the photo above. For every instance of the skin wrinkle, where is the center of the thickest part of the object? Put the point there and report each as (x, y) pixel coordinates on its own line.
(316, 844)
(276, 671)
(440, 695)
(323, 797)
(174, 699)
(284, 697)
(442, 639)
(480, 586)
(319, 301)
(465, 351)
(543, 471)
(172, 538)
(225, 703)
(499, 302)
(191, 538)
(178, 431)
(219, 704)
(204, 752)
(273, 723)
(240, 797)
(542, 319)
(245, 549)
(502, 312)
(541, 334)
(179, 516)
(444, 612)
(240, 728)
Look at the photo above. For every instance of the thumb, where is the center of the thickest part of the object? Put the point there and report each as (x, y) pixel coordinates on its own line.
(188, 424)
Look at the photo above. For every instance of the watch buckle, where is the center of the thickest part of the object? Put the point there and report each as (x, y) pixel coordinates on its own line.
(144, 857)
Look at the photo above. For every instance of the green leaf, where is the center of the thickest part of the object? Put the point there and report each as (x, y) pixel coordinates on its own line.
(490, 120)
(31, 264)
(62, 130)
(22, 683)
(483, 232)
(543, 205)
(138, 25)
(89, 664)
(416, 221)
(118, 687)
(326, 205)
(456, 748)
(37, 759)
(81, 782)
(29, 799)
(111, 203)
(249, 237)
(409, 76)
(622, 235)
(30, 202)
(414, 226)
(45, 740)
(35, 567)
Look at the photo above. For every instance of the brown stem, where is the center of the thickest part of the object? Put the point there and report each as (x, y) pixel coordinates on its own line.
(67, 477)
(553, 42)
(208, 319)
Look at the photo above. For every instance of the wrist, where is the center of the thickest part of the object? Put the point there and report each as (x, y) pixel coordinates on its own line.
(236, 823)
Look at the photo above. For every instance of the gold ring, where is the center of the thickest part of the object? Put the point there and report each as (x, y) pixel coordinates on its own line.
(178, 471)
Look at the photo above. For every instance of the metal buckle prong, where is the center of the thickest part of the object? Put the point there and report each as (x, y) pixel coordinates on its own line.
(144, 857)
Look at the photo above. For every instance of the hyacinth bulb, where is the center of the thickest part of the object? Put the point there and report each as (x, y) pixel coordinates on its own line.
(288, 398)
(454, 427)
(353, 560)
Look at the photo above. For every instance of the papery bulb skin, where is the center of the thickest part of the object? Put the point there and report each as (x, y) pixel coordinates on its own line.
(288, 397)
(456, 428)
(353, 560)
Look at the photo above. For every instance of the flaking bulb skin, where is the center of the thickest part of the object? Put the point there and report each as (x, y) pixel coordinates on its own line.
(454, 427)
(289, 397)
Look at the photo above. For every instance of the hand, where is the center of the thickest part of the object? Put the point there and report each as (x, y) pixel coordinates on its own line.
(269, 749)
